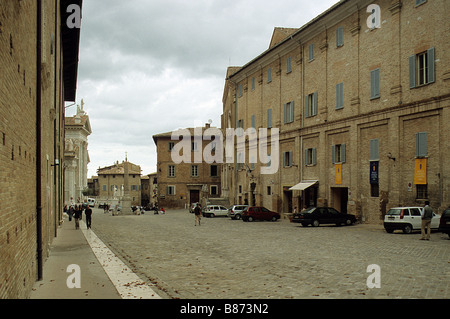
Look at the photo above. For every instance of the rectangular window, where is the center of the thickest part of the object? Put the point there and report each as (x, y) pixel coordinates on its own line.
(311, 52)
(311, 105)
(194, 146)
(170, 190)
(253, 84)
(253, 121)
(104, 188)
(287, 159)
(310, 157)
(194, 171)
(339, 37)
(422, 68)
(214, 170)
(171, 172)
(269, 118)
(269, 75)
(374, 190)
(240, 90)
(375, 84)
(288, 65)
(269, 190)
(289, 112)
(214, 190)
(374, 152)
(338, 153)
(421, 144)
(171, 146)
(340, 96)
(422, 191)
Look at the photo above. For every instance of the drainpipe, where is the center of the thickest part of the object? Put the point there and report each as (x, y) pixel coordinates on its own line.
(38, 142)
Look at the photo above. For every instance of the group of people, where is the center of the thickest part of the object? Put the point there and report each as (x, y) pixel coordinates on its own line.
(76, 211)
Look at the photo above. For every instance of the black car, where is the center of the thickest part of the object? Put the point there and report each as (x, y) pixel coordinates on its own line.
(323, 215)
(444, 224)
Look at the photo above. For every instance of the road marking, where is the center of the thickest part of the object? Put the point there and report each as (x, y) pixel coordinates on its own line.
(127, 283)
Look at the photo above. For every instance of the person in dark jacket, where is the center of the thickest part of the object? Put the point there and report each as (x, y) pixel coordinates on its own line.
(426, 221)
(88, 212)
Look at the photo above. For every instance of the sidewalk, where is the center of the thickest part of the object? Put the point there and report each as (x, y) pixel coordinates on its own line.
(68, 248)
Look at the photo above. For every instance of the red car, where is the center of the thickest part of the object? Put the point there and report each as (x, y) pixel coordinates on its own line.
(259, 213)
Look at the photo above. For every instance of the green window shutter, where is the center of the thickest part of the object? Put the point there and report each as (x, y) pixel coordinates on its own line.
(374, 147)
(315, 97)
(290, 158)
(269, 75)
(285, 114)
(307, 106)
(253, 84)
(343, 158)
(311, 52)
(375, 83)
(431, 63)
(314, 156)
(306, 157)
(253, 121)
(340, 96)
(269, 118)
(284, 159)
(339, 37)
(291, 113)
(288, 65)
(412, 71)
(421, 144)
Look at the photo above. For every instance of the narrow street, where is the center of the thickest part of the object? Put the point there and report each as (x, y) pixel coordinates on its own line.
(225, 259)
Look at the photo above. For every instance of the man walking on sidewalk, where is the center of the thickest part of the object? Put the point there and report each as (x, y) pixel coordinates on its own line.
(88, 212)
(426, 221)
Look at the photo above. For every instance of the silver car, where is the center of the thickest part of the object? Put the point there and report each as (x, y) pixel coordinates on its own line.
(215, 210)
(235, 211)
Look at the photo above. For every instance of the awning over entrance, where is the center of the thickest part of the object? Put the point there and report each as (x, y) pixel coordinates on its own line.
(303, 185)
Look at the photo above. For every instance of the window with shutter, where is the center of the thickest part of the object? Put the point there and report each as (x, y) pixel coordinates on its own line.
(375, 84)
(311, 52)
(421, 144)
(422, 68)
(374, 154)
(269, 118)
(288, 65)
(269, 75)
(339, 96)
(339, 37)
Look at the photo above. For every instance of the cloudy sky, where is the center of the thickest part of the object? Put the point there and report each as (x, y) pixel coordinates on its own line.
(152, 66)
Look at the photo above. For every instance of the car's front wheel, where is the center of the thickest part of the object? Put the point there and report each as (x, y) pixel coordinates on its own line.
(250, 219)
(237, 217)
(274, 219)
(315, 223)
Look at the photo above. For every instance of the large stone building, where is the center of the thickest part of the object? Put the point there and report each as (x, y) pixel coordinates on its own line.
(76, 156)
(38, 63)
(360, 95)
(111, 181)
(193, 179)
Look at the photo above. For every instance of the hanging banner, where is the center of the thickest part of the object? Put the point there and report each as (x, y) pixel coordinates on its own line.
(374, 172)
(420, 171)
(338, 174)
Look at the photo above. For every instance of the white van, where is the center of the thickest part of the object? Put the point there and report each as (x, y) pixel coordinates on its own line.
(91, 202)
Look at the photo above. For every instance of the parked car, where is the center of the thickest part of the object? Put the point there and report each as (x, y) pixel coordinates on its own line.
(316, 216)
(259, 213)
(235, 211)
(215, 210)
(444, 225)
(407, 219)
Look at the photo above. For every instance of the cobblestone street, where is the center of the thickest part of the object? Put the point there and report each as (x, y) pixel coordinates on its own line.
(225, 259)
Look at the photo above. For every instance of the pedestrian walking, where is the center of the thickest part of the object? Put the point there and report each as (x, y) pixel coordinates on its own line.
(88, 212)
(77, 216)
(198, 214)
(70, 212)
(426, 221)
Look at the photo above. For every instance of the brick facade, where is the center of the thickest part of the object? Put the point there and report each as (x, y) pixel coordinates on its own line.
(185, 183)
(349, 84)
(32, 95)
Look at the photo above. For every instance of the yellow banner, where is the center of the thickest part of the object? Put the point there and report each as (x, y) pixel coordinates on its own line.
(420, 171)
(338, 174)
